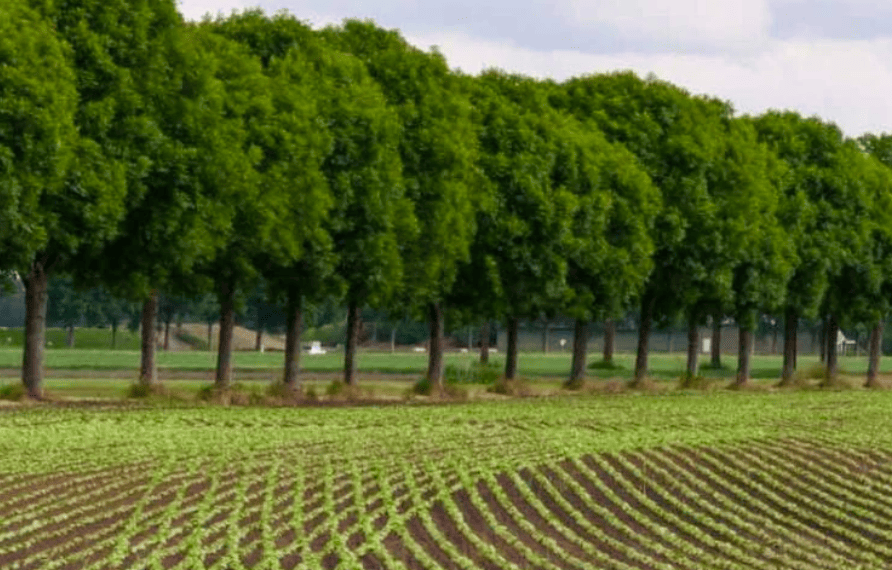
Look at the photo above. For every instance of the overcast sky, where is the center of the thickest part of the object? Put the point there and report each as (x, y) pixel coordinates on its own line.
(831, 58)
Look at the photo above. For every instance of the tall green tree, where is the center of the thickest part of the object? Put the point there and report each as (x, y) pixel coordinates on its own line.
(110, 44)
(880, 148)
(177, 214)
(610, 249)
(254, 217)
(437, 149)
(353, 250)
(824, 210)
(676, 138)
(310, 84)
(518, 265)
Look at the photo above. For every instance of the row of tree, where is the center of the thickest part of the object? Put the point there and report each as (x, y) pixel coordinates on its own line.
(148, 154)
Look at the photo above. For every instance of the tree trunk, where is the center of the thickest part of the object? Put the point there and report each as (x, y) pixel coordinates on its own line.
(210, 336)
(393, 340)
(873, 363)
(293, 333)
(580, 344)
(36, 284)
(435, 353)
(647, 309)
(69, 339)
(545, 337)
(822, 339)
(166, 335)
(744, 353)
(693, 348)
(114, 329)
(791, 326)
(223, 378)
(609, 340)
(484, 343)
(148, 371)
(774, 339)
(511, 354)
(353, 322)
(832, 361)
(715, 347)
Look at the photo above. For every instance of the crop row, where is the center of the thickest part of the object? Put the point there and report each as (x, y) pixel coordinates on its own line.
(797, 504)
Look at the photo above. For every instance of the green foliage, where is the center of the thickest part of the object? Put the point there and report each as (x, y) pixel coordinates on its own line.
(677, 139)
(518, 262)
(38, 104)
(437, 151)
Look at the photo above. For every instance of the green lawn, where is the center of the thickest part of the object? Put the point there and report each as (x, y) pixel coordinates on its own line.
(662, 365)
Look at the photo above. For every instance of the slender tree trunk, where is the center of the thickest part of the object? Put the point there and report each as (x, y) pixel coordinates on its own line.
(484, 343)
(69, 340)
(393, 340)
(715, 347)
(293, 333)
(647, 309)
(435, 354)
(223, 379)
(580, 344)
(36, 285)
(210, 336)
(354, 317)
(258, 339)
(511, 354)
(693, 348)
(148, 371)
(774, 340)
(873, 363)
(832, 355)
(545, 337)
(744, 353)
(822, 339)
(114, 329)
(166, 335)
(609, 340)
(791, 326)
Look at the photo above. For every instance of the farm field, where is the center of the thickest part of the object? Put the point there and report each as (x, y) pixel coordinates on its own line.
(726, 480)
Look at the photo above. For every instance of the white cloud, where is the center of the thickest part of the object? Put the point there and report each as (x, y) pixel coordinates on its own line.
(679, 22)
(846, 82)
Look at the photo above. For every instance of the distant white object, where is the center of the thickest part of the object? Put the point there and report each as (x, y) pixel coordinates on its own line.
(707, 345)
(563, 342)
(493, 349)
(420, 349)
(464, 351)
(316, 348)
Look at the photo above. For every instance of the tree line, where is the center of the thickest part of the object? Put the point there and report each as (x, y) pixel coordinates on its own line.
(149, 154)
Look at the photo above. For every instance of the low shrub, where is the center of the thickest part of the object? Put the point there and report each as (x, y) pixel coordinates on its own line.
(474, 373)
(688, 381)
(14, 392)
(604, 365)
(516, 387)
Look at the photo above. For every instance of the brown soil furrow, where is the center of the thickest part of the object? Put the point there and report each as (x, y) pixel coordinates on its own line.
(395, 547)
(429, 544)
(447, 527)
(476, 522)
(507, 521)
(778, 513)
(788, 543)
